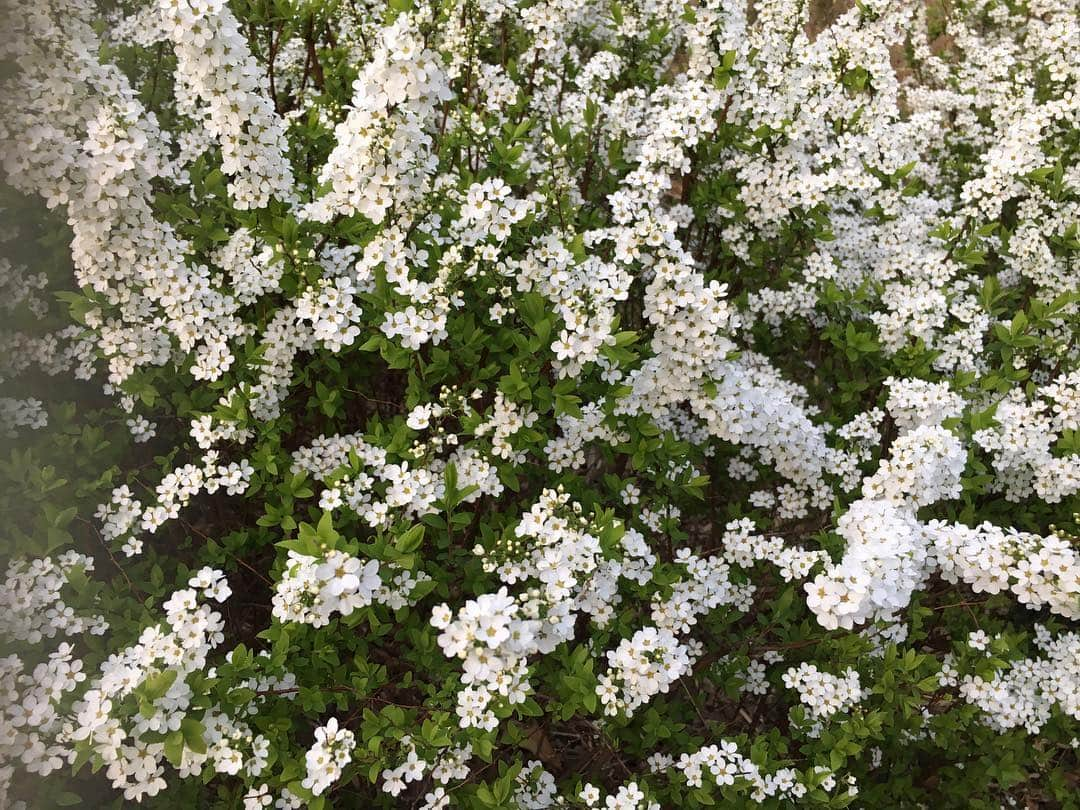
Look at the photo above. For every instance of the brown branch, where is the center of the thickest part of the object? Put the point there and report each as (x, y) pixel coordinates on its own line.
(112, 557)
(192, 529)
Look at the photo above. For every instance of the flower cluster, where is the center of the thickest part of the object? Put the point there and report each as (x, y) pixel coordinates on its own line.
(154, 672)
(312, 588)
(1030, 689)
(382, 157)
(725, 765)
(124, 516)
(642, 666)
(329, 755)
(823, 694)
(1039, 571)
(230, 104)
(33, 603)
(540, 379)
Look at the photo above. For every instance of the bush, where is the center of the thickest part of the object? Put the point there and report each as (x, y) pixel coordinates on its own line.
(481, 404)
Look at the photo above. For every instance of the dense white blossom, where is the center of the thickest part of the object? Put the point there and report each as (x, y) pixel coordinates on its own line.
(630, 274)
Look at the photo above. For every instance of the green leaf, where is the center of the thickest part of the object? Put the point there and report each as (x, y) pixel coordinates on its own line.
(411, 540)
(156, 685)
(174, 748)
(567, 404)
(193, 732)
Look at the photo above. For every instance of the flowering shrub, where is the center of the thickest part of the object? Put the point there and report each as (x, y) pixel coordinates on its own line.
(492, 404)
